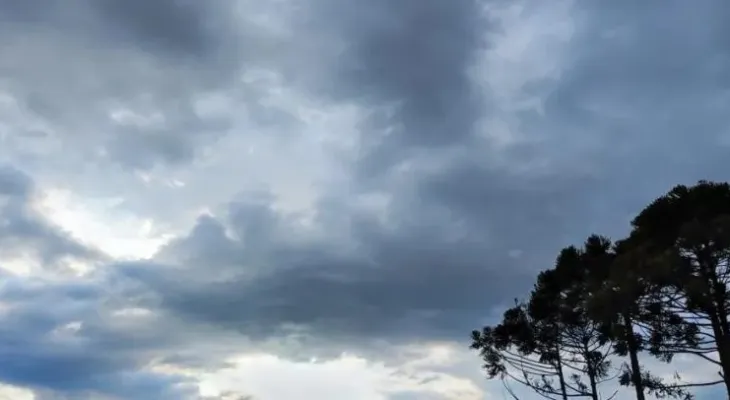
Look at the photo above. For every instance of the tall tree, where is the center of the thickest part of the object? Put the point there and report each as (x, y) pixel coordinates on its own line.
(560, 297)
(663, 290)
(688, 231)
(525, 352)
(550, 341)
(620, 292)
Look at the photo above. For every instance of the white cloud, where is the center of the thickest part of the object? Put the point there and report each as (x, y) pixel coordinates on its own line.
(266, 376)
(8, 392)
(100, 223)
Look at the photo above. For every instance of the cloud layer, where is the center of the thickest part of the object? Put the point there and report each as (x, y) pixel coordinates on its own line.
(193, 191)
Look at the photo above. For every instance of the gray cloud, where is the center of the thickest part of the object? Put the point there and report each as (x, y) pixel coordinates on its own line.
(410, 60)
(186, 28)
(410, 276)
(38, 354)
(38, 349)
(652, 86)
(23, 231)
(436, 225)
(438, 265)
(153, 59)
(179, 29)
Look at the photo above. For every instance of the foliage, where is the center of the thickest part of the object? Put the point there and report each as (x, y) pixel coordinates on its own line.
(660, 292)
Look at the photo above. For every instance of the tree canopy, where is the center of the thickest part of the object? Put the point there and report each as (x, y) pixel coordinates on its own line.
(604, 306)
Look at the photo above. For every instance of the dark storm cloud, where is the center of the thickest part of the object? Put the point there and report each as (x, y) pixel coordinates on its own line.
(451, 251)
(411, 54)
(468, 236)
(419, 279)
(35, 352)
(152, 58)
(180, 28)
(184, 27)
(641, 104)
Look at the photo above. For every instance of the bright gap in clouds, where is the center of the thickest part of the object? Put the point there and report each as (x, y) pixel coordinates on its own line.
(97, 223)
(347, 377)
(12, 393)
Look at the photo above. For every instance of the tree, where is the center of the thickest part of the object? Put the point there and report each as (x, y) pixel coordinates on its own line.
(687, 233)
(559, 299)
(614, 305)
(620, 305)
(524, 351)
(663, 290)
(550, 335)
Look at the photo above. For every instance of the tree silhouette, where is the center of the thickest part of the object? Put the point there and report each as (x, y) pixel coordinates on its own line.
(689, 230)
(662, 292)
(525, 351)
(559, 299)
(621, 305)
(551, 337)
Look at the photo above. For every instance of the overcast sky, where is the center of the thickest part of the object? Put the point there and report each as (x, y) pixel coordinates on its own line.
(321, 199)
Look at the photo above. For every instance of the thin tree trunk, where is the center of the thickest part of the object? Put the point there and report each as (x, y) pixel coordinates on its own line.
(591, 372)
(722, 346)
(719, 318)
(561, 376)
(634, 357)
(723, 343)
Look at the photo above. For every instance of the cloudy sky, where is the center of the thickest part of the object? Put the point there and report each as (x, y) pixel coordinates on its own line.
(321, 199)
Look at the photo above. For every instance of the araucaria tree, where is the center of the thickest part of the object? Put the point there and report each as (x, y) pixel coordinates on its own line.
(550, 344)
(661, 292)
(521, 350)
(622, 303)
(687, 233)
(559, 298)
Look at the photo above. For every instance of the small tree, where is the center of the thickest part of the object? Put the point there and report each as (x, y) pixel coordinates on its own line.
(525, 352)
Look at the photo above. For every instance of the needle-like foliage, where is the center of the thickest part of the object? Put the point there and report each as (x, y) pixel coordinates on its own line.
(687, 234)
(661, 292)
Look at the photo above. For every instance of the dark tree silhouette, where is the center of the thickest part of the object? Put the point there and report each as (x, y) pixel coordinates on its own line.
(663, 291)
(559, 299)
(687, 232)
(525, 351)
(619, 304)
(551, 340)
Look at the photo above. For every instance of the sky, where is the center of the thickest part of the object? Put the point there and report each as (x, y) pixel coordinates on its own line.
(277, 199)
